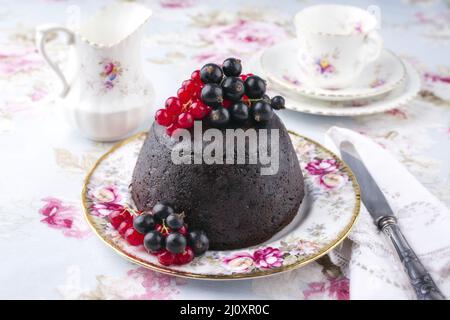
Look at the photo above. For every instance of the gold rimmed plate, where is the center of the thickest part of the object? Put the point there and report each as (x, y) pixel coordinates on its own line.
(325, 218)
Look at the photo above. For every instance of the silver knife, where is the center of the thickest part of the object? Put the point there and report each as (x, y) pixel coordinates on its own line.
(384, 219)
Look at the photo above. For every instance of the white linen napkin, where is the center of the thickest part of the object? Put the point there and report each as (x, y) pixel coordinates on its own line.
(367, 257)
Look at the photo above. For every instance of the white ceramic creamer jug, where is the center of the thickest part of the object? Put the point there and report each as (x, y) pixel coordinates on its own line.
(105, 93)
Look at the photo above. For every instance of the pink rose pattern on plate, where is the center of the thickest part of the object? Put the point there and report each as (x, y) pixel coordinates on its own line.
(241, 262)
(105, 200)
(327, 172)
(266, 258)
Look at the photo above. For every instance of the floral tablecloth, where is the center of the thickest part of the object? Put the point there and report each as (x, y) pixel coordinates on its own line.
(47, 251)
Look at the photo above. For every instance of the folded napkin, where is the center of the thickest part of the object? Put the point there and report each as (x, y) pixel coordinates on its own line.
(367, 257)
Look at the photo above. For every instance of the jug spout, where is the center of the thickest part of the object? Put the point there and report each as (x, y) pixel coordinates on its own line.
(114, 24)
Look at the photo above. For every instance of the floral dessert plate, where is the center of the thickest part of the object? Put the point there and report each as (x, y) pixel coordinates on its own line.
(395, 98)
(279, 63)
(327, 214)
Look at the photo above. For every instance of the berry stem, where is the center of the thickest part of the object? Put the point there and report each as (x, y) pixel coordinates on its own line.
(132, 211)
(186, 105)
(164, 228)
(249, 101)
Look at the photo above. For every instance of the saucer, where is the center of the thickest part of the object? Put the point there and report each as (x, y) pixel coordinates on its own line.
(328, 212)
(279, 64)
(397, 97)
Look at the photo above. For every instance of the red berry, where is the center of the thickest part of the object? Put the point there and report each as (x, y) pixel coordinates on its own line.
(183, 230)
(199, 110)
(184, 257)
(115, 218)
(133, 237)
(226, 103)
(163, 118)
(166, 258)
(185, 120)
(196, 93)
(192, 87)
(195, 76)
(173, 106)
(245, 76)
(126, 216)
(184, 95)
(246, 100)
(185, 83)
(171, 129)
(123, 227)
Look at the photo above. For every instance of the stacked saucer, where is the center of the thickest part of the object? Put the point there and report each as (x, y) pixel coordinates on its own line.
(384, 84)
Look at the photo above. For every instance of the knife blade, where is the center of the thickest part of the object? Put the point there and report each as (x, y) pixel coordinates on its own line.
(371, 195)
(383, 216)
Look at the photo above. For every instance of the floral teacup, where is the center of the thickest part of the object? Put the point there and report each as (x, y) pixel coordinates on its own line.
(335, 43)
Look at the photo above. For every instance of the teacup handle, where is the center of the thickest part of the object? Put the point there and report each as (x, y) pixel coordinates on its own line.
(374, 45)
(42, 34)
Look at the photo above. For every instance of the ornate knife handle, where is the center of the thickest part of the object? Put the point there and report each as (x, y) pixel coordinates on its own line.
(419, 278)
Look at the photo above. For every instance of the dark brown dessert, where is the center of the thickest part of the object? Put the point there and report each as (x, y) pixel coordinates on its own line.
(235, 205)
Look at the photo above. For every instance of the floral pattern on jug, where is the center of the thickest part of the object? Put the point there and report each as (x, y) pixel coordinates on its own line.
(111, 72)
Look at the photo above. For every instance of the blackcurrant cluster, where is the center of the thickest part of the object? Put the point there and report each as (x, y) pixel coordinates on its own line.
(167, 236)
(234, 96)
(218, 94)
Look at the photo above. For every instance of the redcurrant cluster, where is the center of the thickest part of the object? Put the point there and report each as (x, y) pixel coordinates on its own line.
(182, 110)
(122, 221)
(219, 94)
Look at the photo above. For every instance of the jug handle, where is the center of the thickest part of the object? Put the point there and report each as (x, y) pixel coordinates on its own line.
(42, 34)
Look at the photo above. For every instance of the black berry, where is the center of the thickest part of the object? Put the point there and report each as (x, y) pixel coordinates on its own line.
(239, 112)
(144, 223)
(277, 102)
(154, 241)
(211, 73)
(262, 111)
(233, 88)
(175, 221)
(198, 241)
(176, 242)
(255, 87)
(212, 95)
(219, 117)
(161, 211)
(232, 67)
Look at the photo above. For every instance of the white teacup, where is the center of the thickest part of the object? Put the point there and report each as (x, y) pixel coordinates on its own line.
(335, 43)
